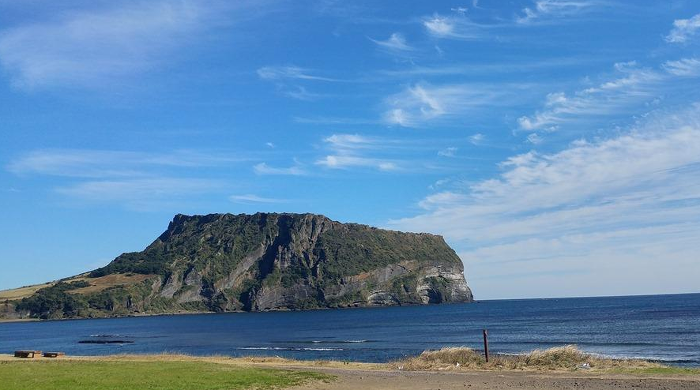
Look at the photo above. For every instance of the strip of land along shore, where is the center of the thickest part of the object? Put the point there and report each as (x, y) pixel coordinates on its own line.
(450, 368)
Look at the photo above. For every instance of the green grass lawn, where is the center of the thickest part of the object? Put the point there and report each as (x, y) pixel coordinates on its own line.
(152, 375)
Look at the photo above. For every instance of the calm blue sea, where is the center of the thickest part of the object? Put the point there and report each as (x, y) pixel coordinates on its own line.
(662, 327)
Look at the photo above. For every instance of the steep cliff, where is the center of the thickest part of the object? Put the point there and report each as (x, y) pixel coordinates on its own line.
(225, 262)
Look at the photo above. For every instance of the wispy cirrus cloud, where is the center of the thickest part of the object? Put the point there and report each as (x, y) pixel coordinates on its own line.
(461, 69)
(684, 29)
(572, 207)
(290, 72)
(347, 161)
(288, 80)
(326, 120)
(395, 43)
(301, 93)
(349, 151)
(552, 10)
(460, 27)
(136, 180)
(93, 48)
(448, 152)
(633, 86)
(348, 142)
(683, 67)
(133, 192)
(439, 25)
(535, 138)
(265, 169)
(442, 199)
(452, 27)
(110, 163)
(253, 199)
(422, 103)
(477, 139)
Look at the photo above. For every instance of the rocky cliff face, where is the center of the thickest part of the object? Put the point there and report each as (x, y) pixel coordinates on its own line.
(225, 262)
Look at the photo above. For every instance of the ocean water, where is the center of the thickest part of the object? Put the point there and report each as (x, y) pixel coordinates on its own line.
(662, 327)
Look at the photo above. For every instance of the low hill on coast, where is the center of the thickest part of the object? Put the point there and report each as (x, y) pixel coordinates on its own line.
(259, 262)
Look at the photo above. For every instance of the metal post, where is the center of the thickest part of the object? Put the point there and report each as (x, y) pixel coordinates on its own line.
(486, 345)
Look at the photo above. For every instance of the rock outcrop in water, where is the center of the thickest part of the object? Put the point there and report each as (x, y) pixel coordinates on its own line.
(225, 262)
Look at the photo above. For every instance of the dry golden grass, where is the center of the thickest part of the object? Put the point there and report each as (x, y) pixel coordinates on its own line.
(273, 361)
(96, 285)
(22, 292)
(107, 281)
(566, 358)
(562, 359)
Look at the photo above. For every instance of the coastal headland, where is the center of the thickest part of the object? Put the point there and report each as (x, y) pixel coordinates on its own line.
(258, 262)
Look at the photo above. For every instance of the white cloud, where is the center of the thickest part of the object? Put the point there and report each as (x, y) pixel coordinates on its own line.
(486, 68)
(416, 105)
(396, 42)
(442, 199)
(460, 10)
(440, 26)
(452, 27)
(351, 141)
(448, 152)
(459, 26)
(288, 78)
(683, 67)
(477, 139)
(264, 169)
(683, 29)
(344, 161)
(399, 117)
(535, 139)
(347, 151)
(91, 48)
(88, 163)
(301, 93)
(136, 180)
(556, 9)
(621, 203)
(251, 198)
(143, 193)
(628, 91)
(585, 265)
(289, 72)
(324, 120)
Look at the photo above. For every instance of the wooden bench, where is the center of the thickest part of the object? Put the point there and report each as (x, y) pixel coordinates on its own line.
(28, 354)
(53, 354)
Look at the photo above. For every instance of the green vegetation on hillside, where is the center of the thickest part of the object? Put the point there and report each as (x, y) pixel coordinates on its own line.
(354, 249)
(61, 301)
(219, 241)
(55, 301)
(154, 375)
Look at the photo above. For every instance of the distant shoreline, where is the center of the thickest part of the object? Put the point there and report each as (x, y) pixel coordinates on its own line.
(181, 313)
(137, 315)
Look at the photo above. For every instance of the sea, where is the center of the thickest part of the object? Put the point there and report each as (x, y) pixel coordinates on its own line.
(664, 328)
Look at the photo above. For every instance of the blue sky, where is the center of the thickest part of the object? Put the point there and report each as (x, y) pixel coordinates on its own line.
(554, 143)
